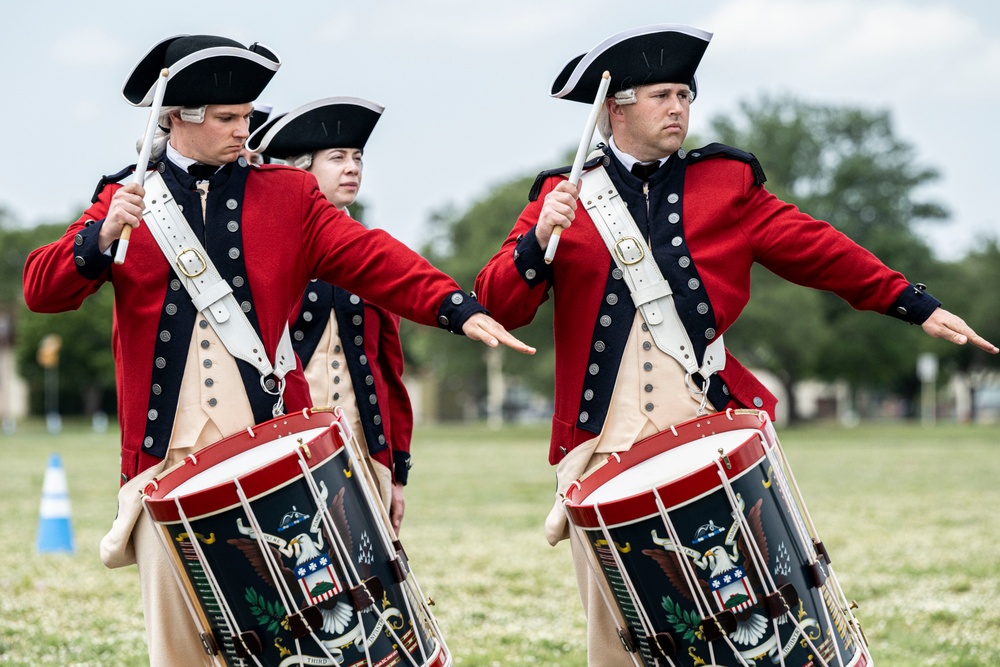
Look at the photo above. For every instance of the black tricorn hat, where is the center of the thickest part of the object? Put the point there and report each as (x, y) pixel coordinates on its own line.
(204, 69)
(332, 122)
(663, 53)
(261, 112)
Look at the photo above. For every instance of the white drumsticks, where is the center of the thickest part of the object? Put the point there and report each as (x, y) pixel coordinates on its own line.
(581, 155)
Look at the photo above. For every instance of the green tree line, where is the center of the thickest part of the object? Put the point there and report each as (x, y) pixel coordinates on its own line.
(840, 164)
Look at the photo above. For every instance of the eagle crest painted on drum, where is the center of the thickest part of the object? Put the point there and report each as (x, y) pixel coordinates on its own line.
(314, 572)
(732, 580)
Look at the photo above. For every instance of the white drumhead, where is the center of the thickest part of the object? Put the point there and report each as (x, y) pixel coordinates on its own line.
(668, 466)
(244, 462)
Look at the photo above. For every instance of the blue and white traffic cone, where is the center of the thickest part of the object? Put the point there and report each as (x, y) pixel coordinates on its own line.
(55, 531)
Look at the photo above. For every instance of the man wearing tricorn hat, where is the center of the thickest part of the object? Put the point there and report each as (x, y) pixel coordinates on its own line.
(349, 348)
(639, 318)
(254, 237)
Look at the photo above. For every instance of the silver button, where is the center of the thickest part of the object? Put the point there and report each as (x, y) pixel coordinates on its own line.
(212, 402)
(157, 390)
(205, 344)
(80, 261)
(647, 366)
(335, 364)
(674, 218)
(358, 340)
(605, 320)
(336, 396)
(673, 198)
(209, 382)
(649, 407)
(245, 306)
(676, 241)
(242, 161)
(530, 274)
(171, 309)
(207, 363)
(238, 281)
(336, 379)
(165, 336)
(457, 298)
(709, 333)
(231, 204)
(612, 299)
(584, 417)
(901, 310)
(725, 389)
(161, 362)
(588, 395)
(355, 299)
(443, 320)
(758, 401)
(336, 349)
(599, 346)
(363, 359)
(646, 345)
(307, 316)
(232, 226)
(78, 239)
(617, 274)
(648, 388)
(694, 283)
(175, 285)
(234, 253)
(356, 320)
(147, 442)
(373, 399)
(684, 262)
(702, 308)
(645, 327)
(369, 380)
(298, 335)
(269, 384)
(377, 420)
(152, 414)
(203, 324)
(312, 296)
(593, 369)
(381, 440)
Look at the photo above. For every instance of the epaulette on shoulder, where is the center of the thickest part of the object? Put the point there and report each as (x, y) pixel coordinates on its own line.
(722, 150)
(536, 187)
(112, 178)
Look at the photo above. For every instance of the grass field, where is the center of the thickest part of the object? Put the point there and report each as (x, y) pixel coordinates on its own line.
(909, 516)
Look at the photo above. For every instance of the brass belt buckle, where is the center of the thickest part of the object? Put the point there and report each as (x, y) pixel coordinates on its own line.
(621, 255)
(183, 267)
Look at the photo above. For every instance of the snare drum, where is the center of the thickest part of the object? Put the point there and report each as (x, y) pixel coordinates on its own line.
(284, 554)
(709, 553)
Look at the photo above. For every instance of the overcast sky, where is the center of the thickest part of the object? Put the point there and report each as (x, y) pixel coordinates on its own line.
(465, 85)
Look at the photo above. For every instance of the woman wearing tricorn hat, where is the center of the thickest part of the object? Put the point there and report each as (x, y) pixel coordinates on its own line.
(350, 348)
(705, 218)
(267, 232)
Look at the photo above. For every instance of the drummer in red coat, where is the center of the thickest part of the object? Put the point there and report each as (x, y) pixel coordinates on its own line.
(627, 366)
(349, 347)
(267, 232)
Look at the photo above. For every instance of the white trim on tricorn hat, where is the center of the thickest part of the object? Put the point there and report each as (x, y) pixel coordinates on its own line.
(203, 69)
(663, 53)
(332, 122)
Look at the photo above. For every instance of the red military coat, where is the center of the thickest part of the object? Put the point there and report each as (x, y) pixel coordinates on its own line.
(288, 234)
(721, 221)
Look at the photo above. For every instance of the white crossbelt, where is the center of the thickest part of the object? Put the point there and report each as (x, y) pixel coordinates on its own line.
(210, 293)
(651, 292)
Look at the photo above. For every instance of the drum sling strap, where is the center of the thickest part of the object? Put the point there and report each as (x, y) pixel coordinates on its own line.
(650, 291)
(210, 293)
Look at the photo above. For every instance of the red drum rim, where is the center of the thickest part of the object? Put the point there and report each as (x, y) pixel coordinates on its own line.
(672, 492)
(221, 496)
